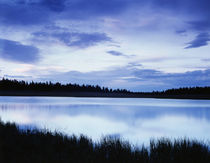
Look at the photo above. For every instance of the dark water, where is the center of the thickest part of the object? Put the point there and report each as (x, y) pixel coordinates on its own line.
(136, 120)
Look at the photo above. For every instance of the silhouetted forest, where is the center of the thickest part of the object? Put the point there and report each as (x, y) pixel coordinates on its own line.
(34, 146)
(14, 87)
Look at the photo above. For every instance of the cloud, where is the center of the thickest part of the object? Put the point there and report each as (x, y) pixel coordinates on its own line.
(43, 12)
(199, 8)
(194, 13)
(206, 60)
(75, 39)
(17, 77)
(133, 78)
(116, 53)
(80, 9)
(23, 14)
(181, 31)
(134, 64)
(15, 51)
(54, 5)
(38, 12)
(200, 25)
(200, 40)
(98, 7)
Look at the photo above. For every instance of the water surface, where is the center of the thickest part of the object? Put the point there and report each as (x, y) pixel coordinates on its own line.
(133, 119)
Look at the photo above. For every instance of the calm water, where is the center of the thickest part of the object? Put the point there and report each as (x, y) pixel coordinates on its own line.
(136, 120)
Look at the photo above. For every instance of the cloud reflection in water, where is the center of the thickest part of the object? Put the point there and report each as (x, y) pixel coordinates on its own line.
(137, 120)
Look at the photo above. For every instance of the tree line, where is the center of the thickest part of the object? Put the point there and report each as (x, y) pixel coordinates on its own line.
(15, 85)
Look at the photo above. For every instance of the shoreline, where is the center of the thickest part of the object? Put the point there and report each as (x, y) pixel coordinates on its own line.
(48, 89)
(103, 95)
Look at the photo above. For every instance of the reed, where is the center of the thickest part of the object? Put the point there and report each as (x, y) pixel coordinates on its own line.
(43, 146)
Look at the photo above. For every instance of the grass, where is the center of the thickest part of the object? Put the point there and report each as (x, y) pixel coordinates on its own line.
(42, 147)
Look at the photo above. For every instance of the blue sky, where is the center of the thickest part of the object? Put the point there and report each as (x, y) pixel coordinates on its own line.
(140, 45)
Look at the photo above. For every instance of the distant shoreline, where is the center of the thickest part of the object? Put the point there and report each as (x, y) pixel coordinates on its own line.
(23, 88)
(101, 95)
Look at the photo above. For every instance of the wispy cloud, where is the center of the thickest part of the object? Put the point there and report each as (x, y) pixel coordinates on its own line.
(183, 31)
(200, 40)
(117, 53)
(75, 39)
(15, 51)
(206, 60)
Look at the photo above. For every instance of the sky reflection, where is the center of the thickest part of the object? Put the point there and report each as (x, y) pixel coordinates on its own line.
(136, 120)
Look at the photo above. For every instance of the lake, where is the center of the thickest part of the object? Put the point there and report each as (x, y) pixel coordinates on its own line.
(134, 119)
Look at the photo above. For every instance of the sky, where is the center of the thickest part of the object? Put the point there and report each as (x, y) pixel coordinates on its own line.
(139, 45)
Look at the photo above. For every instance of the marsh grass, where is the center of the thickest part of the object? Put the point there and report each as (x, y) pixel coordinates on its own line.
(28, 146)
